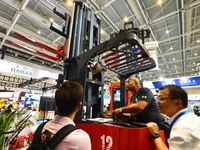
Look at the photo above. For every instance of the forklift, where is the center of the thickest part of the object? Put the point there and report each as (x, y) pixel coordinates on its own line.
(87, 60)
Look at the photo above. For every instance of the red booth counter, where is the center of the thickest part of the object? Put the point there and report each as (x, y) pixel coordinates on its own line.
(137, 139)
(114, 137)
(103, 137)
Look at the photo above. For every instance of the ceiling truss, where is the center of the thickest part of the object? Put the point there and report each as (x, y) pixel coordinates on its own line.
(178, 52)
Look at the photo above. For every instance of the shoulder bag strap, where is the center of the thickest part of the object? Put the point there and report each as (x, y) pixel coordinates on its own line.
(60, 135)
(37, 134)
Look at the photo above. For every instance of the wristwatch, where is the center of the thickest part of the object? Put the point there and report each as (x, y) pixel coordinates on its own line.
(155, 135)
(120, 110)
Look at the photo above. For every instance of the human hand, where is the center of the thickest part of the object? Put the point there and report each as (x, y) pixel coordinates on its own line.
(117, 112)
(152, 127)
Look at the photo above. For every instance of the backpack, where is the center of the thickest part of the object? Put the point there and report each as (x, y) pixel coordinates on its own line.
(44, 142)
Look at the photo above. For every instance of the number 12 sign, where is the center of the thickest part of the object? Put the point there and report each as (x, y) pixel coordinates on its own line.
(106, 140)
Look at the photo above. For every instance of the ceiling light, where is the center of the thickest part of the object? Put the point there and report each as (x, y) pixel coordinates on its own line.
(174, 59)
(38, 32)
(198, 41)
(69, 2)
(51, 19)
(175, 66)
(193, 63)
(171, 48)
(167, 31)
(159, 2)
(125, 19)
(195, 54)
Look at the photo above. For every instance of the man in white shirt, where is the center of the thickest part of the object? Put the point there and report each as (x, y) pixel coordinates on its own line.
(184, 125)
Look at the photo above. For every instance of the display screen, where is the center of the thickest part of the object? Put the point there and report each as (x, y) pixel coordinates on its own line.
(47, 103)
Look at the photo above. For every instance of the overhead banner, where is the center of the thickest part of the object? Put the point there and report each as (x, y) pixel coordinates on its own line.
(155, 58)
(16, 69)
(151, 45)
(183, 82)
(22, 70)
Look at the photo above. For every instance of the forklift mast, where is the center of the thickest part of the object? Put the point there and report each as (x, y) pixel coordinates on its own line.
(84, 35)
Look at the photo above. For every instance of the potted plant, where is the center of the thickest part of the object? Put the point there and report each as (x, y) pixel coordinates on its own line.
(11, 124)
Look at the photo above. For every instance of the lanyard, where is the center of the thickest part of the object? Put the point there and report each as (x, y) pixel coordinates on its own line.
(176, 118)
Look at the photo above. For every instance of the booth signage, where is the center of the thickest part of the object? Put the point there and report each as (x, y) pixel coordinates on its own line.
(6, 94)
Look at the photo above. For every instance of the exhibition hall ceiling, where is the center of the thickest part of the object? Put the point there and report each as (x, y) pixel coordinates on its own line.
(175, 24)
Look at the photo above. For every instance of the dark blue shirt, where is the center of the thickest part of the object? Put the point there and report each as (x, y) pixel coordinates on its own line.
(150, 112)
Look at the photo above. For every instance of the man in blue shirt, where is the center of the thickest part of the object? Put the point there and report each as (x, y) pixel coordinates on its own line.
(143, 106)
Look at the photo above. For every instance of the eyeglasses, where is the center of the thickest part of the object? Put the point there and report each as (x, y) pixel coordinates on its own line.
(164, 98)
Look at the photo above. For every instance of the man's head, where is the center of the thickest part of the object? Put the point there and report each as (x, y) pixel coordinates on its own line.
(133, 84)
(171, 99)
(68, 98)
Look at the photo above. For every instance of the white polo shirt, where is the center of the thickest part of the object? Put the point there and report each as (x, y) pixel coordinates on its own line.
(185, 133)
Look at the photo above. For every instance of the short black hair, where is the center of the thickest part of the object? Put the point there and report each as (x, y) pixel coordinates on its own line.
(68, 97)
(177, 92)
